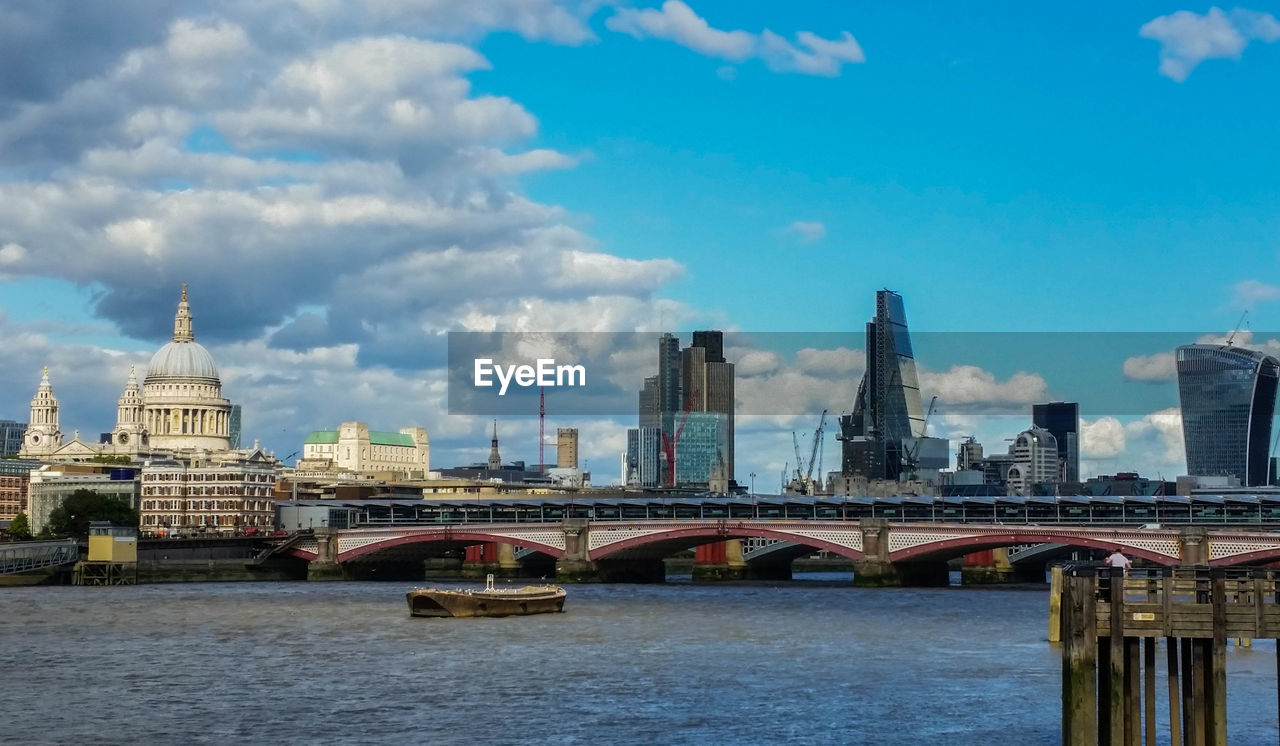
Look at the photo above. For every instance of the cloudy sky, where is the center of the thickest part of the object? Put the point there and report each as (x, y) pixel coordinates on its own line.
(344, 183)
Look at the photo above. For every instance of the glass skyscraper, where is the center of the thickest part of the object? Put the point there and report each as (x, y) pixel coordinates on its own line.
(1228, 397)
(887, 410)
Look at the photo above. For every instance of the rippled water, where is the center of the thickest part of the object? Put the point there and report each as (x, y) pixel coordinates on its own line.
(680, 664)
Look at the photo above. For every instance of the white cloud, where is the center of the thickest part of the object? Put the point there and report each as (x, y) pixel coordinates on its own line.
(1102, 438)
(1251, 292)
(972, 387)
(808, 230)
(677, 22)
(1187, 39)
(1161, 433)
(1157, 368)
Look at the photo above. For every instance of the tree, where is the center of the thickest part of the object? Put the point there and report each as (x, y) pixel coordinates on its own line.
(72, 517)
(20, 528)
(119, 460)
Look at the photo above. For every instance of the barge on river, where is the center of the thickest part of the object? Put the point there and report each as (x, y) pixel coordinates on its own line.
(530, 599)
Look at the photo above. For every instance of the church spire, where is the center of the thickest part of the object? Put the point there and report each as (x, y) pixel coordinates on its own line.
(495, 461)
(182, 320)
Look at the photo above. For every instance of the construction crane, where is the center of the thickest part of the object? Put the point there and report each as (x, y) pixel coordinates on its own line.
(813, 454)
(911, 460)
(795, 443)
(1231, 337)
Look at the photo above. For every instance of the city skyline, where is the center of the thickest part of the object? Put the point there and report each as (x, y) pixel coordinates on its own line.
(681, 176)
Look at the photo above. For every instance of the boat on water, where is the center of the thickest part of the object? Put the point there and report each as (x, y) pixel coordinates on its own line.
(529, 599)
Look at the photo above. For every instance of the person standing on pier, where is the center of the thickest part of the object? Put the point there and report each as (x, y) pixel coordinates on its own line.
(1117, 560)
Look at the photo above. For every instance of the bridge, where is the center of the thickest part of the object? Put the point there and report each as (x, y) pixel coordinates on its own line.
(26, 556)
(882, 553)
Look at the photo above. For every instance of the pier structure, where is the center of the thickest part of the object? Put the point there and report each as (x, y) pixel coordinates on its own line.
(1111, 626)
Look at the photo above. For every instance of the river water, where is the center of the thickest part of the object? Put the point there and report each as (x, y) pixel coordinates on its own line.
(320, 663)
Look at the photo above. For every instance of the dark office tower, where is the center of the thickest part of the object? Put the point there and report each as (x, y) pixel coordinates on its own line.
(887, 410)
(1062, 418)
(713, 342)
(1228, 397)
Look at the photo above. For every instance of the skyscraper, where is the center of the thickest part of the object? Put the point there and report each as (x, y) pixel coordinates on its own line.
(707, 382)
(1062, 418)
(887, 410)
(1228, 397)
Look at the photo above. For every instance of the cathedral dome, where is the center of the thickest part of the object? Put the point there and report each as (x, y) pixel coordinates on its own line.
(185, 359)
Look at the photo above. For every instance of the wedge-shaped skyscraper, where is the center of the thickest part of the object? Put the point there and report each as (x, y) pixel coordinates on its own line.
(1228, 397)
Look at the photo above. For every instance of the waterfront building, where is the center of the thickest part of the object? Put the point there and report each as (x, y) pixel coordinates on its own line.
(179, 406)
(15, 480)
(1228, 397)
(1034, 461)
(11, 434)
(353, 447)
(887, 410)
(223, 492)
(51, 484)
(567, 448)
(1062, 418)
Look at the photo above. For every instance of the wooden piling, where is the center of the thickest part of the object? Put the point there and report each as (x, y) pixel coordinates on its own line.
(1116, 688)
(1200, 724)
(1149, 689)
(1175, 716)
(1132, 692)
(1216, 674)
(1055, 604)
(1079, 662)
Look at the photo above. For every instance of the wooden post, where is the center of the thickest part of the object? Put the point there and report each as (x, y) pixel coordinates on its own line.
(1200, 724)
(1116, 686)
(1132, 692)
(1055, 604)
(1149, 689)
(1189, 733)
(1216, 674)
(1175, 717)
(1079, 662)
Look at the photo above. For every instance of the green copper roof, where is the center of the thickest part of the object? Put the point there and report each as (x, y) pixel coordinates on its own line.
(376, 437)
(379, 438)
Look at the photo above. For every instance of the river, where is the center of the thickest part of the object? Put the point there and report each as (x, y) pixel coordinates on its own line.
(314, 663)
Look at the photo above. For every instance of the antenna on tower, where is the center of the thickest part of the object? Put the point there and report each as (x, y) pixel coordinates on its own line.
(542, 440)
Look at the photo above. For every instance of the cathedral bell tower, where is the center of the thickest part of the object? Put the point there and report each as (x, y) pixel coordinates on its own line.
(130, 433)
(43, 434)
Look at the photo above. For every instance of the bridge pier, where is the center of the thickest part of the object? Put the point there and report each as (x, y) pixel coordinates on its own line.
(325, 566)
(875, 570)
(992, 567)
(490, 558)
(721, 560)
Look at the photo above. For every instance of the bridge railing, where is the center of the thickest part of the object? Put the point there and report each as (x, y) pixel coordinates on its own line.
(1027, 515)
(34, 555)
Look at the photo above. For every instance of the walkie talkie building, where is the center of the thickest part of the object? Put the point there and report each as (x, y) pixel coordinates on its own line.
(1228, 397)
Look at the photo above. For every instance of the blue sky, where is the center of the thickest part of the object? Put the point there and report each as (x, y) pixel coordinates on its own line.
(342, 184)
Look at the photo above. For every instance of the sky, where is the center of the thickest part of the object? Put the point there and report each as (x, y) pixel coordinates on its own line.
(342, 184)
